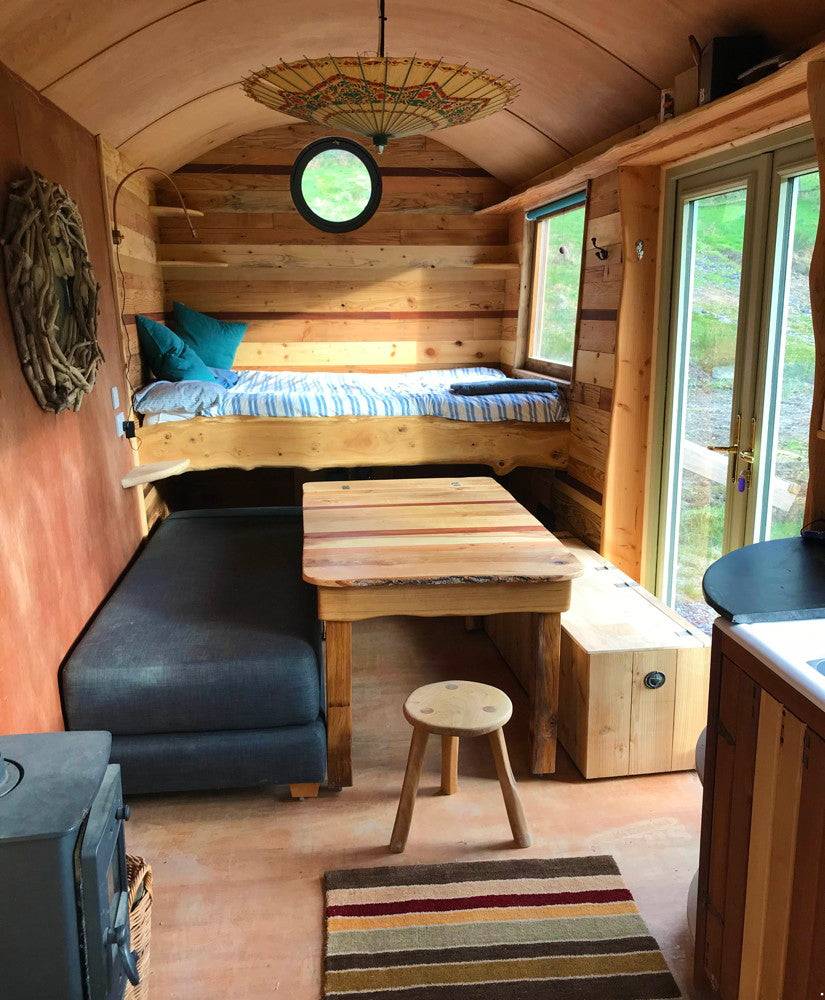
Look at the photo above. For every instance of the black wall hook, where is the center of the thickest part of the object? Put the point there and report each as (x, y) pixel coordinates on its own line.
(601, 252)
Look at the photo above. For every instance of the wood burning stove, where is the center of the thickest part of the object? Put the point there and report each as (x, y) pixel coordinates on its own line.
(64, 915)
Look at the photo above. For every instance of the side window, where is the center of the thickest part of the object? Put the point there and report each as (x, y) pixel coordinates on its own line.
(556, 285)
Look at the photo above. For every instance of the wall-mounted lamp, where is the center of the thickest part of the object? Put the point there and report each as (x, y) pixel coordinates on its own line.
(117, 235)
(601, 252)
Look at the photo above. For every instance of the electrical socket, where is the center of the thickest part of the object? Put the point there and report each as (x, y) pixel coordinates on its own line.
(119, 419)
(115, 398)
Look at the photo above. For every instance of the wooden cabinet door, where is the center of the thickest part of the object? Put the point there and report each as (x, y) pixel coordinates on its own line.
(805, 962)
(761, 914)
(771, 852)
(733, 724)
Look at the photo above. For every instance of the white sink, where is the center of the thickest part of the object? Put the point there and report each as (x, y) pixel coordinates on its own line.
(795, 651)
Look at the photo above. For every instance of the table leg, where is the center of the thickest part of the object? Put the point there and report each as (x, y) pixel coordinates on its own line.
(545, 704)
(339, 703)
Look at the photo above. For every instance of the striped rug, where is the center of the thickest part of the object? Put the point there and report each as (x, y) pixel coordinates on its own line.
(560, 929)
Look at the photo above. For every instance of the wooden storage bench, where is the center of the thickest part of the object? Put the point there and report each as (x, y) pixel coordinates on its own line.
(618, 642)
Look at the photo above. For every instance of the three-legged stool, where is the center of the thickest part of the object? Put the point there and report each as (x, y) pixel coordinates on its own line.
(452, 709)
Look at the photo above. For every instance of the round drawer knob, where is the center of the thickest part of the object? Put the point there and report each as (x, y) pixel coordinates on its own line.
(654, 680)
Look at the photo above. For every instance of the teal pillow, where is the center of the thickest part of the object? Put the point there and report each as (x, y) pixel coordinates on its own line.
(215, 340)
(167, 355)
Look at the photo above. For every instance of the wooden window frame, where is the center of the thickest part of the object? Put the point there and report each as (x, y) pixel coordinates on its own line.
(542, 366)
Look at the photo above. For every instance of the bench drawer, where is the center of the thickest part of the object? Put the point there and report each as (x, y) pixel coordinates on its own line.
(634, 675)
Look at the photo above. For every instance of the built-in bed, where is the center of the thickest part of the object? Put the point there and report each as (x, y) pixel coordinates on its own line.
(315, 420)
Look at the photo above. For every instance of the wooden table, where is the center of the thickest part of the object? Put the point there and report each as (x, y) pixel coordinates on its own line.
(430, 548)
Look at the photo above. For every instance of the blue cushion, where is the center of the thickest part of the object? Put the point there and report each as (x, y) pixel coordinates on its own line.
(215, 340)
(225, 376)
(504, 385)
(167, 355)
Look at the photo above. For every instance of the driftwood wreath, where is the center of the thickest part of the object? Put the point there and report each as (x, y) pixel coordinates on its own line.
(52, 293)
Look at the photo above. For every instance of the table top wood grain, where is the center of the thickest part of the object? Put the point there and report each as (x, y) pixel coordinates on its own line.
(426, 531)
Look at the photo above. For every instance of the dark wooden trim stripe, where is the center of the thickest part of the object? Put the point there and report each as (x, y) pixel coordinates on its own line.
(421, 503)
(580, 487)
(368, 533)
(280, 170)
(333, 316)
(434, 314)
(599, 314)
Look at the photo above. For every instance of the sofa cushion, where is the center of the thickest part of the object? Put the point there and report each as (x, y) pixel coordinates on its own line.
(211, 629)
(177, 762)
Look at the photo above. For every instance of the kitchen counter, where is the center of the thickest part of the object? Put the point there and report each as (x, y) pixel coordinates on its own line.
(794, 650)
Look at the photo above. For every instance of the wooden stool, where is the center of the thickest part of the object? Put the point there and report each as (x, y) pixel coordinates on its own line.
(453, 709)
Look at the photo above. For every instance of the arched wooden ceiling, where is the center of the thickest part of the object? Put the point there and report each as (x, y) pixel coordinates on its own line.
(158, 78)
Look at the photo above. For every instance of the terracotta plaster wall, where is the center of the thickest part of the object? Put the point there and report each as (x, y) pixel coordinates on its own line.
(67, 528)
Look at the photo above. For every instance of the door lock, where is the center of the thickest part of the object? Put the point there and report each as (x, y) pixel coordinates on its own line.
(746, 458)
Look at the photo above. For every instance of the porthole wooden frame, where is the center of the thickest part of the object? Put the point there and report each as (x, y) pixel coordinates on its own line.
(52, 292)
(306, 156)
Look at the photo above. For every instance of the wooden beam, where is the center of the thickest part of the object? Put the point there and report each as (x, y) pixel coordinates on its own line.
(348, 442)
(815, 507)
(625, 481)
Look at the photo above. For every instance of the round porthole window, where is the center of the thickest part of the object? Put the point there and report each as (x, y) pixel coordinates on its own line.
(335, 185)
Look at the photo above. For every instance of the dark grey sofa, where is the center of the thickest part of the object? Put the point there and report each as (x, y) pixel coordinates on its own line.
(205, 662)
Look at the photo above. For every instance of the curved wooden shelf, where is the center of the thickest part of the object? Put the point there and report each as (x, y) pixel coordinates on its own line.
(151, 472)
(192, 263)
(171, 211)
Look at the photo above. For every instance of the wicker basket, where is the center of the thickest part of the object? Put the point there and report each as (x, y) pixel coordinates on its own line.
(140, 922)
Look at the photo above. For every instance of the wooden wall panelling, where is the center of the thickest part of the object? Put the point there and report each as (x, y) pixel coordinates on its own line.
(139, 284)
(69, 528)
(422, 285)
(138, 274)
(626, 465)
(816, 482)
(578, 492)
(515, 329)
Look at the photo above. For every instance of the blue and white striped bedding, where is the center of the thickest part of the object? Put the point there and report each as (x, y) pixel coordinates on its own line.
(335, 394)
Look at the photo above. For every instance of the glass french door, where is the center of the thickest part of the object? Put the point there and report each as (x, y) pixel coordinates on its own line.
(740, 366)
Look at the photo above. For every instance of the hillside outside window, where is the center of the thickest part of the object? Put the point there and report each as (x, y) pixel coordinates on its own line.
(559, 252)
(335, 185)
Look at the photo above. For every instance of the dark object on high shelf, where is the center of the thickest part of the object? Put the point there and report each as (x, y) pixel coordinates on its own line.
(64, 915)
(724, 59)
(782, 580)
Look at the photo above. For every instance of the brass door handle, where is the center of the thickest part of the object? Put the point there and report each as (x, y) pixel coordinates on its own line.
(733, 447)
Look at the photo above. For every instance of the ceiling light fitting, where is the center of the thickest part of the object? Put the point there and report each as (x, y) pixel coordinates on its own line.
(380, 97)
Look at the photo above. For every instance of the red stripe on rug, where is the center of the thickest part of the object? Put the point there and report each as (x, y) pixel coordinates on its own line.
(478, 902)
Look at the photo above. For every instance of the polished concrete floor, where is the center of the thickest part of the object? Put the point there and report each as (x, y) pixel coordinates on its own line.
(238, 900)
